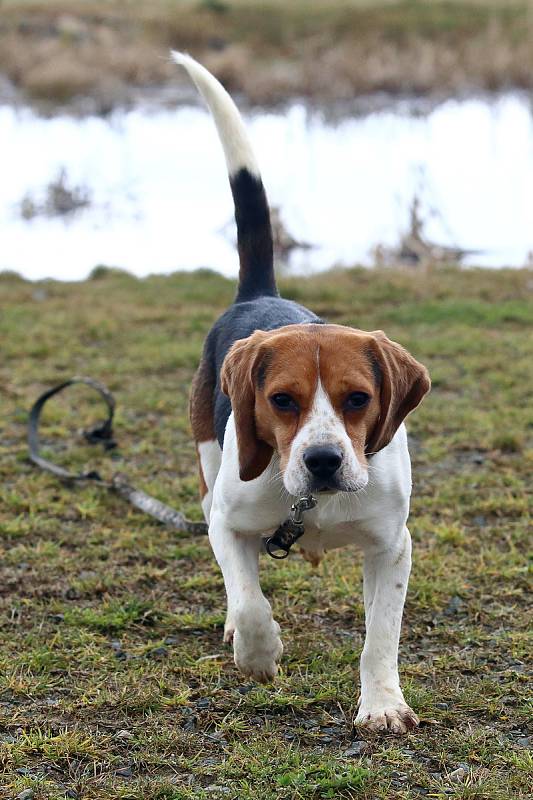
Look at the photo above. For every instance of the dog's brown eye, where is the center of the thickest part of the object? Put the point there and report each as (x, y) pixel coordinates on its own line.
(356, 400)
(284, 402)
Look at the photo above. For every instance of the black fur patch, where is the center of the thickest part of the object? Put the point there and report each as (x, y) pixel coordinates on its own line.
(254, 237)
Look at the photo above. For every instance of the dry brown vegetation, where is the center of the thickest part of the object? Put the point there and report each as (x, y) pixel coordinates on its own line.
(325, 51)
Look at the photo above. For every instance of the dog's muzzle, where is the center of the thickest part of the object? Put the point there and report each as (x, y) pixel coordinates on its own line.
(323, 463)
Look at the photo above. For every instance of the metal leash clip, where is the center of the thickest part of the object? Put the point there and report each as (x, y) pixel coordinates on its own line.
(279, 544)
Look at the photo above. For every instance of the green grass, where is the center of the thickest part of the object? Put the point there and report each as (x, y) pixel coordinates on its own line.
(111, 656)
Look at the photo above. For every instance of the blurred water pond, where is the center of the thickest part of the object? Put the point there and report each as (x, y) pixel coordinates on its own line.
(150, 193)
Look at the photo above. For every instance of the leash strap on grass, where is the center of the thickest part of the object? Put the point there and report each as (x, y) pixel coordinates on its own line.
(102, 433)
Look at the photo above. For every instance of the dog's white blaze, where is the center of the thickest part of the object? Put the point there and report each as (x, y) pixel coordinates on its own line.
(323, 427)
(210, 456)
(230, 127)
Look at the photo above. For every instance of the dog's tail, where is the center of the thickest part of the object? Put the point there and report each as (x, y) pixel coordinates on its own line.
(254, 232)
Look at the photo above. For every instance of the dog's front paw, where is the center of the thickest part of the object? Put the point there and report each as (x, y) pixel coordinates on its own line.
(257, 652)
(386, 717)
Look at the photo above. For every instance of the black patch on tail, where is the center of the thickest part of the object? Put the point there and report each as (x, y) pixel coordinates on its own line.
(254, 237)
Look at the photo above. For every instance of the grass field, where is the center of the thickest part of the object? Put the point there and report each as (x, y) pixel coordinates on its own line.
(114, 682)
(328, 50)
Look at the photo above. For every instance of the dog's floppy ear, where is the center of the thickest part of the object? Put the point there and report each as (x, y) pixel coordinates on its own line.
(238, 380)
(403, 384)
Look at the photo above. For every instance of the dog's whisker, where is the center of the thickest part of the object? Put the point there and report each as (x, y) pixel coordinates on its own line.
(275, 478)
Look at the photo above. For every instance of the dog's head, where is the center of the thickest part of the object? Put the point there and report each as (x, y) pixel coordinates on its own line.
(324, 397)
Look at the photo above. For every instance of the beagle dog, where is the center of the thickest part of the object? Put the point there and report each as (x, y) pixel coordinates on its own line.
(284, 404)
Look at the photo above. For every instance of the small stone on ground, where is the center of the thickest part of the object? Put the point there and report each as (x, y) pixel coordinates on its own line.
(357, 748)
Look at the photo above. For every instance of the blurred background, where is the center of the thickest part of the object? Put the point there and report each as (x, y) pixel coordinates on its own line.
(395, 135)
(388, 132)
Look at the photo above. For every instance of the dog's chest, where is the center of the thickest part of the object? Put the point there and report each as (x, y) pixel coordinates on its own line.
(336, 520)
(316, 541)
(333, 524)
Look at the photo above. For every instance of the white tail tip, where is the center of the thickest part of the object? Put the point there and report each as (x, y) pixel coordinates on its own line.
(230, 127)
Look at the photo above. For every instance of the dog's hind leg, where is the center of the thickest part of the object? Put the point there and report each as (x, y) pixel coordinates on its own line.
(209, 459)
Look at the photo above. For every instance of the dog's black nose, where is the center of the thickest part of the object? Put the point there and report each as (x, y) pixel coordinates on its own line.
(323, 461)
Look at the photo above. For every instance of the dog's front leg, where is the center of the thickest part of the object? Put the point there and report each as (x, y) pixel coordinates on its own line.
(386, 573)
(256, 642)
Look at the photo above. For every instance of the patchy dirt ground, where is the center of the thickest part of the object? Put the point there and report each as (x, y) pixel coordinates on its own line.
(114, 682)
(56, 51)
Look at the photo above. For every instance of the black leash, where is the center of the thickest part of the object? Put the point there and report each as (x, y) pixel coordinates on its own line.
(278, 545)
(102, 433)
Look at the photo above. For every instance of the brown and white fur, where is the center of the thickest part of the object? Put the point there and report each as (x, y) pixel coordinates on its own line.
(283, 404)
